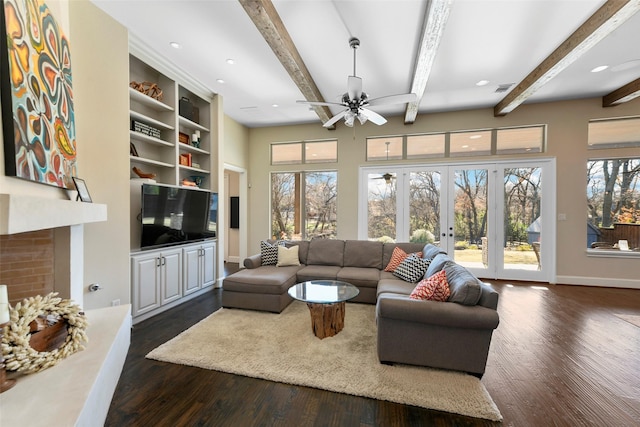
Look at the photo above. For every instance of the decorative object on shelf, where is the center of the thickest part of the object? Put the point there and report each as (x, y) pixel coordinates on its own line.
(145, 129)
(132, 150)
(195, 140)
(142, 174)
(148, 88)
(185, 159)
(197, 179)
(17, 347)
(38, 113)
(187, 110)
(183, 138)
(83, 191)
(195, 165)
(188, 183)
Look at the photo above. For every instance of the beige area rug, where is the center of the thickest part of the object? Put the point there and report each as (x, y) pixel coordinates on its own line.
(282, 347)
(631, 318)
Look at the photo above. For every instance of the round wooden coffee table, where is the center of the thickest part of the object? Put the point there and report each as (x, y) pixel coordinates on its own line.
(326, 302)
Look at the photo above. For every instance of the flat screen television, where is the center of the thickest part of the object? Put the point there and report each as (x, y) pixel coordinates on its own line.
(175, 215)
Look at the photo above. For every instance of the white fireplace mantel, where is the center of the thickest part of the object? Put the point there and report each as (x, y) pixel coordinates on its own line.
(20, 213)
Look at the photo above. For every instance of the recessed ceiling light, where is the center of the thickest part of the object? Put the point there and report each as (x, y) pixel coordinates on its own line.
(482, 83)
(275, 105)
(175, 45)
(230, 61)
(600, 68)
(220, 81)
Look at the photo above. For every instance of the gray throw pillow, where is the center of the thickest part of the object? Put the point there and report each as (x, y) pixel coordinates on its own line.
(430, 251)
(464, 286)
(436, 264)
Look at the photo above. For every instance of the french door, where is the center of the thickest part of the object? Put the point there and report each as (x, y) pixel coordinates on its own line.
(489, 217)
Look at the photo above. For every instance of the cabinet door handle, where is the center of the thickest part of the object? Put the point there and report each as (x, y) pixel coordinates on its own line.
(158, 262)
(164, 260)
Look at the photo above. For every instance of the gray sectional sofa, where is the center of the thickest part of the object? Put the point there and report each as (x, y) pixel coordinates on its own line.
(451, 335)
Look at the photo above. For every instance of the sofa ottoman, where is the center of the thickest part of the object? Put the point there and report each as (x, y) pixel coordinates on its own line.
(263, 288)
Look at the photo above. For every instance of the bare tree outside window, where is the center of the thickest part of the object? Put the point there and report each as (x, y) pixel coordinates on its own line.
(613, 199)
(303, 205)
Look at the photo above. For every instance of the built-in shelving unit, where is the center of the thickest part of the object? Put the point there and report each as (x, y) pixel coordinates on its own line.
(163, 153)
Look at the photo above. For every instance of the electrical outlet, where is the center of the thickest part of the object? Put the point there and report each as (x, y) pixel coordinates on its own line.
(115, 302)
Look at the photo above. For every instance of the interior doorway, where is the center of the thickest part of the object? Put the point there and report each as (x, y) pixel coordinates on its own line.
(235, 233)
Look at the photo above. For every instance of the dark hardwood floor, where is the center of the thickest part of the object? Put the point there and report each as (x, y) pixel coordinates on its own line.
(560, 357)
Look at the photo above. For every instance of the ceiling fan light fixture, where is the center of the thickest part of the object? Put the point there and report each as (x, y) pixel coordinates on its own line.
(362, 119)
(349, 118)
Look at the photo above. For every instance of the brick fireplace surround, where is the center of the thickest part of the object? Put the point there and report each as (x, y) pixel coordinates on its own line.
(27, 264)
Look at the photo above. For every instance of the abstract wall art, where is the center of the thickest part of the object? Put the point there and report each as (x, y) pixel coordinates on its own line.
(38, 118)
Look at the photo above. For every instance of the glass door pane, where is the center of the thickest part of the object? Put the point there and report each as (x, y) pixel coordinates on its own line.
(424, 206)
(381, 206)
(469, 213)
(522, 218)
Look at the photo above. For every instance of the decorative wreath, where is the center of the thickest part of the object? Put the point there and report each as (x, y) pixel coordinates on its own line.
(18, 353)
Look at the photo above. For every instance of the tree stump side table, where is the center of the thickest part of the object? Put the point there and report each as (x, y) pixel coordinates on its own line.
(326, 302)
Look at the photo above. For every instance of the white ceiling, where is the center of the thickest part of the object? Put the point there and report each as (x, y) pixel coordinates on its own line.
(497, 40)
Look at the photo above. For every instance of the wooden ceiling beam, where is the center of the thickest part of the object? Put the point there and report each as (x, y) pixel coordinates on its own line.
(610, 16)
(266, 19)
(433, 25)
(624, 94)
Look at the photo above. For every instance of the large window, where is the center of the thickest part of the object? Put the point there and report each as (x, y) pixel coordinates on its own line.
(613, 196)
(303, 205)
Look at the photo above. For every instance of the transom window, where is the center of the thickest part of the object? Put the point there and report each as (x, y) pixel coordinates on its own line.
(614, 133)
(481, 142)
(305, 152)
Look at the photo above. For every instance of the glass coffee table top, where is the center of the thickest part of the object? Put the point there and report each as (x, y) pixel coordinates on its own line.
(323, 291)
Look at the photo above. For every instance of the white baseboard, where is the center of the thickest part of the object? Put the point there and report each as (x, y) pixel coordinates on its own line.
(606, 282)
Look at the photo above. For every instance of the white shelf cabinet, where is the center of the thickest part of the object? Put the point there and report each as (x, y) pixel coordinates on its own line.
(199, 267)
(156, 279)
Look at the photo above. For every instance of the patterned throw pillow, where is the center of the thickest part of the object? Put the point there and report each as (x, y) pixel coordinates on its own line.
(269, 252)
(397, 257)
(412, 268)
(434, 288)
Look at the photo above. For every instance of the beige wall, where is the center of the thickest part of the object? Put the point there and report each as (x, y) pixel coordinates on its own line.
(236, 147)
(100, 59)
(567, 143)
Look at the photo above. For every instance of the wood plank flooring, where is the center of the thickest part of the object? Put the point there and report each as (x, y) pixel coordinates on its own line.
(560, 357)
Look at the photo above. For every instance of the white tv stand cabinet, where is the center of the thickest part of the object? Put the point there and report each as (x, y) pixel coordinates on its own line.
(166, 277)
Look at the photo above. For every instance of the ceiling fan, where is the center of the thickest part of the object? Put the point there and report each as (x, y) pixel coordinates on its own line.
(356, 102)
(387, 178)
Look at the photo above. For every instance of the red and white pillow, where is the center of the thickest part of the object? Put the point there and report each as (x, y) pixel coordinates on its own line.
(397, 257)
(434, 288)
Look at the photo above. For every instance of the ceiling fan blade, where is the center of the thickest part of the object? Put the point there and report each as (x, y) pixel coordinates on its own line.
(373, 116)
(328, 104)
(334, 119)
(354, 87)
(393, 99)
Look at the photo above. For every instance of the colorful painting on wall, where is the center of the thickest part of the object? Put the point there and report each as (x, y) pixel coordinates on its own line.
(38, 117)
